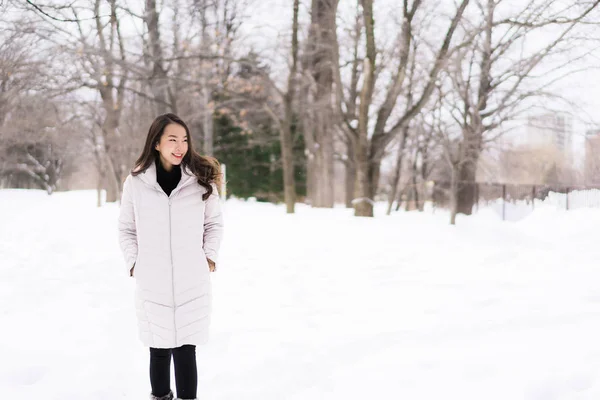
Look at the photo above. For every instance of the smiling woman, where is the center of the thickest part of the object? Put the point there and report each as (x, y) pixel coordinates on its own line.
(165, 143)
(173, 145)
(170, 229)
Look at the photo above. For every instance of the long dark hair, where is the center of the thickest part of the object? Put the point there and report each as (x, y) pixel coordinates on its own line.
(206, 169)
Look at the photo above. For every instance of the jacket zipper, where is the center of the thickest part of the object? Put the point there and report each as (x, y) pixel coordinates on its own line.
(171, 257)
(172, 267)
(172, 271)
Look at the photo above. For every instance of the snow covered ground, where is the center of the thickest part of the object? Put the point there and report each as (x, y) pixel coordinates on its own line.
(317, 305)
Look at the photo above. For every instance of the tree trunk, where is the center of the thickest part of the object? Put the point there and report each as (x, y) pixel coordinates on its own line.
(320, 55)
(401, 193)
(423, 189)
(466, 192)
(287, 158)
(99, 189)
(285, 131)
(424, 173)
(319, 181)
(158, 80)
(111, 190)
(111, 182)
(309, 149)
(350, 182)
(364, 201)
(310, 180)
(415, 186)
(324, 171)
(328, 165)
(111, 152)
(207, 120)
(468, 172)
(409, 197)
(454, 195)
(397, 171)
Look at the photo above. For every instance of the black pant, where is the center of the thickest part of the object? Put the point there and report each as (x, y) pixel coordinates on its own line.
(186, 374)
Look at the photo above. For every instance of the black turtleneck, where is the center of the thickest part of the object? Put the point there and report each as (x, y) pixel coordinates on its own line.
(167, 180)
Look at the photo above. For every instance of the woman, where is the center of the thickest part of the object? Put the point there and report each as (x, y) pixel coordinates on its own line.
(170, 229)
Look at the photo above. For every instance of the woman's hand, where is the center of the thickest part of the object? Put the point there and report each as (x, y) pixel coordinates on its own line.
(211, 265)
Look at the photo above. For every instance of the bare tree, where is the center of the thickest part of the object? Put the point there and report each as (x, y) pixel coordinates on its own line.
(97, 49)
(369, 146)
(32, 137)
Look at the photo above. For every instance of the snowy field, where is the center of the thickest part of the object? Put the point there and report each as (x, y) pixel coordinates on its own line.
(317, 305)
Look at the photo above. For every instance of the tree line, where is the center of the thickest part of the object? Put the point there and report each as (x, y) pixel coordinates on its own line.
(383, 96)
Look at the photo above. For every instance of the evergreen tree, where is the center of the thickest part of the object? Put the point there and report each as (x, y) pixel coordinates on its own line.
(253, 161)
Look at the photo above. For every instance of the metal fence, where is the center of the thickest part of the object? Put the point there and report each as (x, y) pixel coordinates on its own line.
(510, 200)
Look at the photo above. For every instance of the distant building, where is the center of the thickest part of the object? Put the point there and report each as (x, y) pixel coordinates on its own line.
(541, 153)
(550, 131)
(592, 157)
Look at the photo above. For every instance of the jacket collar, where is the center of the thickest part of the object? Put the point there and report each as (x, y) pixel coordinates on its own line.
(149, 178)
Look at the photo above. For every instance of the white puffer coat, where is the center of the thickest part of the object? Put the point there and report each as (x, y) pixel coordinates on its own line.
(168, 239)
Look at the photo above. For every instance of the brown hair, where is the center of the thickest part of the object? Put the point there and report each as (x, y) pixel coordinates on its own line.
(206, 169)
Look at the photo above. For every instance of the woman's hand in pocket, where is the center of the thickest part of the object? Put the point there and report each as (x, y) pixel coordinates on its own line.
(211, 265)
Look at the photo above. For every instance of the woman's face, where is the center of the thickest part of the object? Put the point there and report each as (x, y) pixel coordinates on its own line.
(172, 146)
